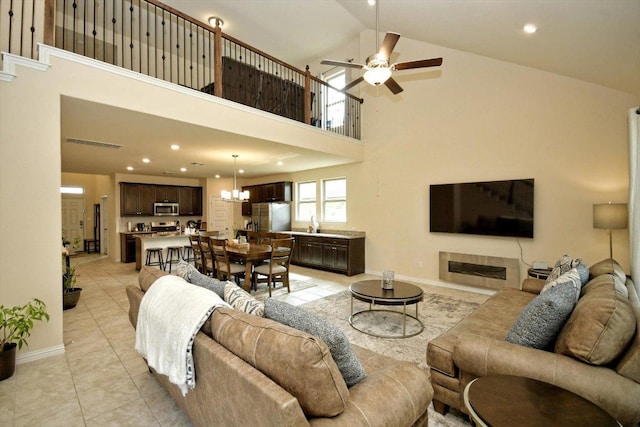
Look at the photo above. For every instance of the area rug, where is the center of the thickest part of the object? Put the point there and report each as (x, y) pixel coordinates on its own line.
(438, 314)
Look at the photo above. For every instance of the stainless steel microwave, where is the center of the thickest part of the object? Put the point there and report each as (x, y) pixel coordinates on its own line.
(166, 209)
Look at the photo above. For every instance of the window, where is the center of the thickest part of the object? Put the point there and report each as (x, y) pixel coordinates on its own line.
(306, 200)
(334, 200)
(71, 190)
(335, 100)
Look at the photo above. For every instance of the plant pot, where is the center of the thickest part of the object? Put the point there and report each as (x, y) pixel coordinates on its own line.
(8, 361)
(70, 298)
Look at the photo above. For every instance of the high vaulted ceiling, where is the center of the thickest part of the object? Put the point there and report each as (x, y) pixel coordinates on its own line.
(593, 40)
(597, 41)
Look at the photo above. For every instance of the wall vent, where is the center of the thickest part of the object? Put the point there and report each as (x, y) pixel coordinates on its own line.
(93, 143)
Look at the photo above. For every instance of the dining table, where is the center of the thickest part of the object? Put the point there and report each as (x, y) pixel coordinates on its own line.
(248, 254)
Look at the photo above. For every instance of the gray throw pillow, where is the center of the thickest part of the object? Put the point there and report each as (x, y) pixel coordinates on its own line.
(541, 320)
(191, 274)
(339, 346)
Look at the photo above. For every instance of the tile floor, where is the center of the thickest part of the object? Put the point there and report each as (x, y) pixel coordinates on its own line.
(101, 380)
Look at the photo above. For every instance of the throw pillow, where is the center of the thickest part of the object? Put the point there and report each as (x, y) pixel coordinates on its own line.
(601, 325)
(540, 321)
(571, 277)
(563, 265)
(239, 299)
(339, 346)
(191, 274)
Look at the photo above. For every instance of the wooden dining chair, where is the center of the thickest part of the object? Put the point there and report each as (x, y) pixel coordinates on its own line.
(278, 265)
(252, 237)
(224, 268)
(208, 262)
(198, 259)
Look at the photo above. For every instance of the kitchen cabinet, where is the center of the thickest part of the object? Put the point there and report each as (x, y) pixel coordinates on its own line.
(309, 251)
(190, 199)
(342, 255)
(246, 209)
(166, 193)
(272, 192)
(128, 246)
(136, 199)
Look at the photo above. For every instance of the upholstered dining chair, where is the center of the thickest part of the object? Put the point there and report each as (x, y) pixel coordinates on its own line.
(223, 266)
(278, 265)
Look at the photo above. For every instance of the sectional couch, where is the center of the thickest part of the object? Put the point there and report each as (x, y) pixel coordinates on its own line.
(254, 371)
(596, 353)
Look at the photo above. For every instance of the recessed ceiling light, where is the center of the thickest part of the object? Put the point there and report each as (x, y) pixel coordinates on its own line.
(530, 28)
(217, 176)
(183, 169)
(240, 170)
(175, 147)
(129, 168)
(371, 2)
(280, 163)
(145, 160)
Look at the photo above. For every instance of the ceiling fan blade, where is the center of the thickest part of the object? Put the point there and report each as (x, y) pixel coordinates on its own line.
(389, 42)
(434, 62)
(341, 63)
(353, 83)
(393, 86)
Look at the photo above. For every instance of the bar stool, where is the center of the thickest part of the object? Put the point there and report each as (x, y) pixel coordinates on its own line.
(174, 254)
(157, 252)
(187, 253)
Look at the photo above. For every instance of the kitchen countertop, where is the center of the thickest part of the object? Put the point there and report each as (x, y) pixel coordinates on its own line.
(335, 235)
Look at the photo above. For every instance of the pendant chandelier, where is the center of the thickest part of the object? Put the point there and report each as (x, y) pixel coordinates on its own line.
(234, 195)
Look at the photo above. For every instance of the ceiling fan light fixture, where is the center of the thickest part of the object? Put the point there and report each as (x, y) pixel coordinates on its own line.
(377, 76)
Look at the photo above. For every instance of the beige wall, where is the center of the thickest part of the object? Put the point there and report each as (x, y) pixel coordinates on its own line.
(30, 174)
(475, 119)
(95, 186)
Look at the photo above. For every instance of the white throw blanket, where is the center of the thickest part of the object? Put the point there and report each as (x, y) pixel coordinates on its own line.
(171, 314)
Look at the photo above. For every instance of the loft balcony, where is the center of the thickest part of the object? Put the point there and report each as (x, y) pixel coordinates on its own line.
(151, 38)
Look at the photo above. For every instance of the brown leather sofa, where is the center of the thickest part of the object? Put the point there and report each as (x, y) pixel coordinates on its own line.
(584, 360)
(258, 372)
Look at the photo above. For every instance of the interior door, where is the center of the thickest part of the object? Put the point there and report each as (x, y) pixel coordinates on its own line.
(219, 217)
(73, 221)
(104, 225)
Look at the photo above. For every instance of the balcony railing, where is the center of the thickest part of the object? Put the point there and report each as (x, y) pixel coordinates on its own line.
(151, 38)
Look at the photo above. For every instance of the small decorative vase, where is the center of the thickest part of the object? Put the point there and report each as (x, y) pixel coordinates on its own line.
(387, 279)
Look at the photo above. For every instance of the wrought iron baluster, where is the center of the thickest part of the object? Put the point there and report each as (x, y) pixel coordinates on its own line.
(33, 26)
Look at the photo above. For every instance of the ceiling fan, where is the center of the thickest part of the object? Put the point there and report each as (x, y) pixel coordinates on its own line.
(377, 67)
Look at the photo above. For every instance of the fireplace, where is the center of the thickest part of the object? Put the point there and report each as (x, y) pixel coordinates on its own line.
(479, 270)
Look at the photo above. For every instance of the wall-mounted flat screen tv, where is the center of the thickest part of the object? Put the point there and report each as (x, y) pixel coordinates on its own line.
(493, 208)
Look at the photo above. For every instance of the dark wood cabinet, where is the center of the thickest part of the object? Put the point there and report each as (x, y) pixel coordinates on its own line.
(342, 255)
(190, 199)
(128, 247)
(309, 251)
(246, 208)
(136, 199)
(166, 193)
(272, 192)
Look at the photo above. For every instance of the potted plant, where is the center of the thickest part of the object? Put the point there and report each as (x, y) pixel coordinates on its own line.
(15, 326)
(70, 294)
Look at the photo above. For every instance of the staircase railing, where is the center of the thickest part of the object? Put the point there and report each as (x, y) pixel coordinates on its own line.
(151, 38)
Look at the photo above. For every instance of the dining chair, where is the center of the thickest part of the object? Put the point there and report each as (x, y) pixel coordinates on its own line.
(223, 266)
(198, 259)
(278, 265)
(208, 261)
(253, 236)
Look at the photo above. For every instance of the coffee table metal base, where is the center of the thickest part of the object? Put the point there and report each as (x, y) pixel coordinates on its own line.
(402, 294)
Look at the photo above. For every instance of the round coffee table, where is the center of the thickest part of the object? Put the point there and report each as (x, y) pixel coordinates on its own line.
(402, 294)
(506, 400)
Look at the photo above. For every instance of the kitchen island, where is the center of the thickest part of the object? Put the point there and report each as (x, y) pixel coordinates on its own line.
(158, 240)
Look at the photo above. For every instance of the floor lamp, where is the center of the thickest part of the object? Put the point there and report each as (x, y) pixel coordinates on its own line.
(610, 216)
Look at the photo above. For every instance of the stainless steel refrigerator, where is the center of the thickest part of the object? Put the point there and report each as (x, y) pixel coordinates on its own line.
(271, 216)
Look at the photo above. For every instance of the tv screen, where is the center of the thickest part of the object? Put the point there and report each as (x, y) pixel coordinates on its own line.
(494, 208)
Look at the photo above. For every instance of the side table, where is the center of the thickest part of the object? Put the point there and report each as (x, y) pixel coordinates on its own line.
(539, 273)
(506, 400)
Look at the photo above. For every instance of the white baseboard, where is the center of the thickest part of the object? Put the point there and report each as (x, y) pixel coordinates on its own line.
(40, 354)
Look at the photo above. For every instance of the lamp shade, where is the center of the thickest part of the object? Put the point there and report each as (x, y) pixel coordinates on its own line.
(610, 215)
